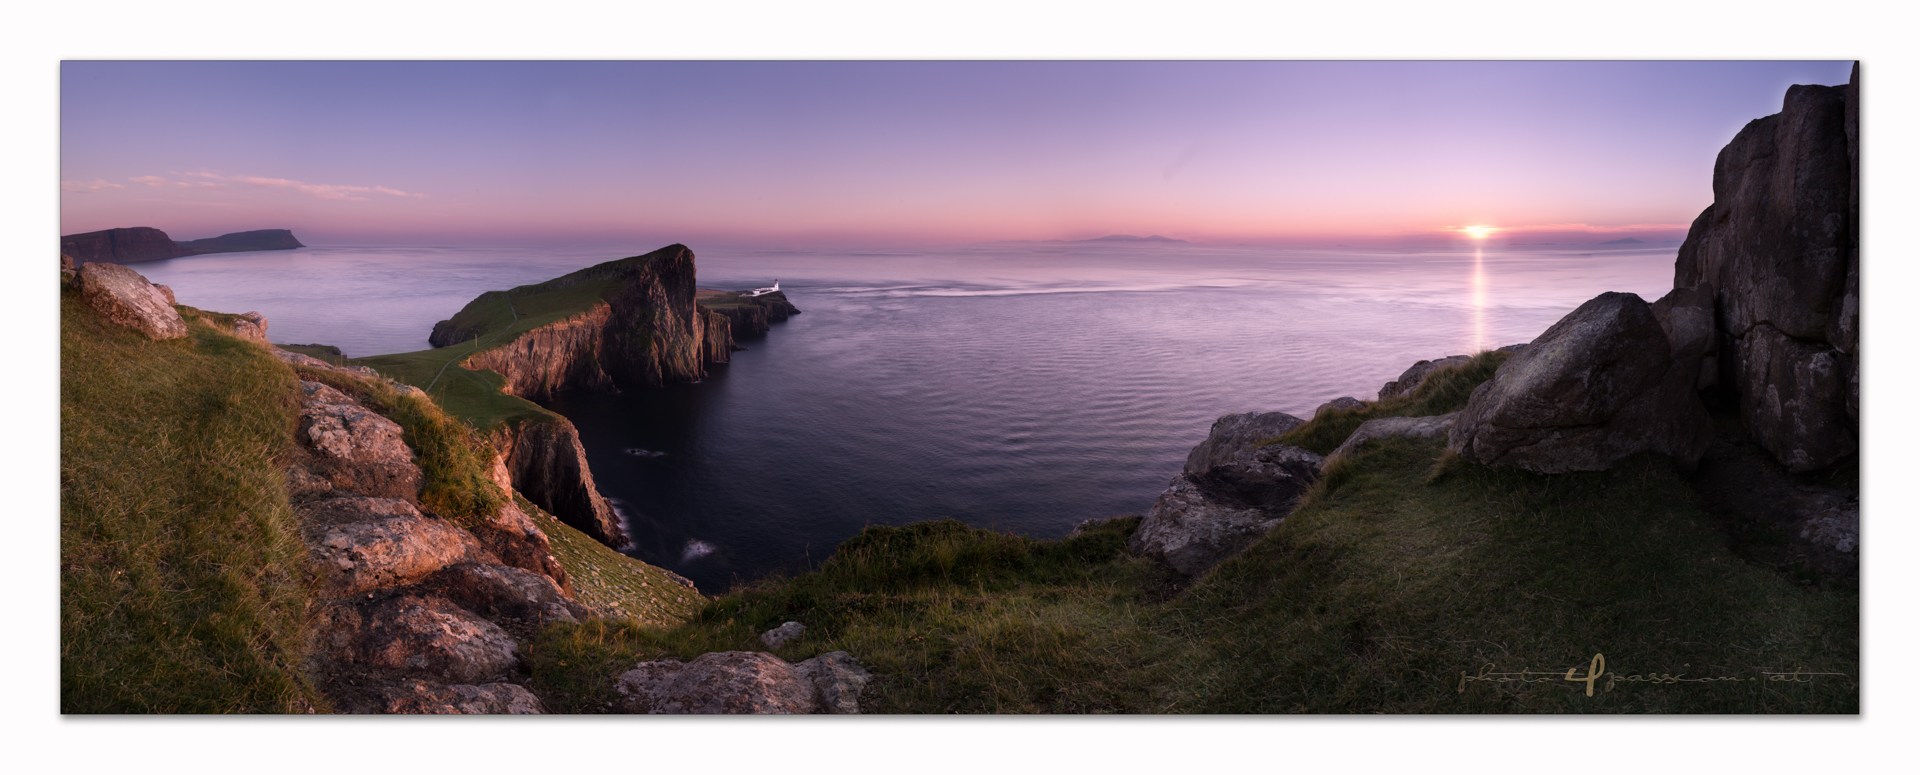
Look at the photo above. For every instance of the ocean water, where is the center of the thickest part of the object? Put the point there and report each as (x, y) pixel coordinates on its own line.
(1022, 387)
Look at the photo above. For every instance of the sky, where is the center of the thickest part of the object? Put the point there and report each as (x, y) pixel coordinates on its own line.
(824, 152)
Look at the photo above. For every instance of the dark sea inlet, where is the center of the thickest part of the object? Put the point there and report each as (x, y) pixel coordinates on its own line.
(1023, 387)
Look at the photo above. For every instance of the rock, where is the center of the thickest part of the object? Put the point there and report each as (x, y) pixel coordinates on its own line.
(1388, 427)
(743, 682)
(503, 595)
(1596, 387)
(364, 543)
(1341, 404)
(120, 246)
(837, 681)
(1200, 520)
(251, 326)
(417, 696)
(165, 293)
(1410, 379)
(129, 301)
(336, 426)
(67, 269)
(415, 636)
(1795, 398)
(1686, 315)
(299, 359)
(1835, 528)
(1779, 250)
(511, 535)
(1235, 438)
(778, 636)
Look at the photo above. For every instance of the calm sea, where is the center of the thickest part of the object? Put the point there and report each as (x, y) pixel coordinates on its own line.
(1022, 387)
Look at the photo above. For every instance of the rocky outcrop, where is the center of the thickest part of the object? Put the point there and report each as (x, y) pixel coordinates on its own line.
(1391, 427)
(251, 326)
(717, 346)
(750, 316)
(1233, 490)
(547, 465)
(744, 682)
(1598, 386)
(121, 246)
(1235, 438)
(67, 268)
(562, 355)
(416, 614)
(242, 242)
(126, 299)
(1341, 404)
(145, 243)
(1779, 250)
(779, 636)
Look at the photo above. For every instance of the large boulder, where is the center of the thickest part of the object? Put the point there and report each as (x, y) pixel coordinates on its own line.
(744, 682)
(504, 595)
(1686, 315)
(1202, 519)
(126, 299)
(1410, 379)
(1235, 438)
(1596, 387)
(348, 448)
(1779, 251)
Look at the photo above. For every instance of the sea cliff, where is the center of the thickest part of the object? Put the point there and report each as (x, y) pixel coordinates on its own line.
(145, 243)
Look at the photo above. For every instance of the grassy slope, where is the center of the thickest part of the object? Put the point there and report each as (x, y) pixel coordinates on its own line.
(180, 581)
(613, 582)
(1402, 572)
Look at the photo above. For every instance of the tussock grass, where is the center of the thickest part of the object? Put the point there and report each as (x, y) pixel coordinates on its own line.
(951, 619)
(1444, 390)
(182, 587)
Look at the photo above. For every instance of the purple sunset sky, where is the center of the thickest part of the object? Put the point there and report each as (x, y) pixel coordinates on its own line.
(852, 153)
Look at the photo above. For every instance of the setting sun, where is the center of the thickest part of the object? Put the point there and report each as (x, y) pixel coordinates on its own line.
(1478, 232)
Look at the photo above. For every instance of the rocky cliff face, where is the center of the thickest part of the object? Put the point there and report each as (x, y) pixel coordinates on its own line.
(752, 316)
(121, 246)
(1779, 252)
(547, 465)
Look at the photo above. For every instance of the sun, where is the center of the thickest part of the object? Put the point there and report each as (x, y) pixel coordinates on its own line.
(1478, 232)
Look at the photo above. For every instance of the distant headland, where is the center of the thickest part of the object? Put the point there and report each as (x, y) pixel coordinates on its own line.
(145, 243)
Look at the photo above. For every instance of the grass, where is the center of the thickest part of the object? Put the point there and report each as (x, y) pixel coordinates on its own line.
(471, 395)
(181, 581)
(1445, 390)
(613, 582)
(324, 352)
(951, 619)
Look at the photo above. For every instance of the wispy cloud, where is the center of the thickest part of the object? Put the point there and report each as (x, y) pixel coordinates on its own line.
(316, 190)
(81, 187)
(150, 180)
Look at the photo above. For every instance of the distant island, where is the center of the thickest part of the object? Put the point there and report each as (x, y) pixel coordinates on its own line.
(145, 243)
(1624, 241)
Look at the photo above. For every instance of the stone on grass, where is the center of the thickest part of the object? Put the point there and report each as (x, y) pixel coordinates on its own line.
(417, 696)
(1202, 519)
(1389, 427)
(778, 636)
(1235, 438)
(744, 682)
(365, 543)
(127, 300)
(421, 637)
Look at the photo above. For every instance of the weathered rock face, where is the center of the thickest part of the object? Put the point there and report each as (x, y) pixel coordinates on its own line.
(1341, 404)
(717, 347)
(67, 268)
(351, 448)
(1779, 251)
(416, 636)
(562, 355)
(549, 467)
(778, 636)
(512, 536)
(1389, 427)
(251, 326)
(753, 315)
(1235, 438)
(744, 682)
(1203, 518)
(121, 246)
(363, 543)
(1596, 387)
(129, 301)
(1686, 315)
(499, 592)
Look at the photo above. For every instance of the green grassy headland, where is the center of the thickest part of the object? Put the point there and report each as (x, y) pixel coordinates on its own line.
(182, 581)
